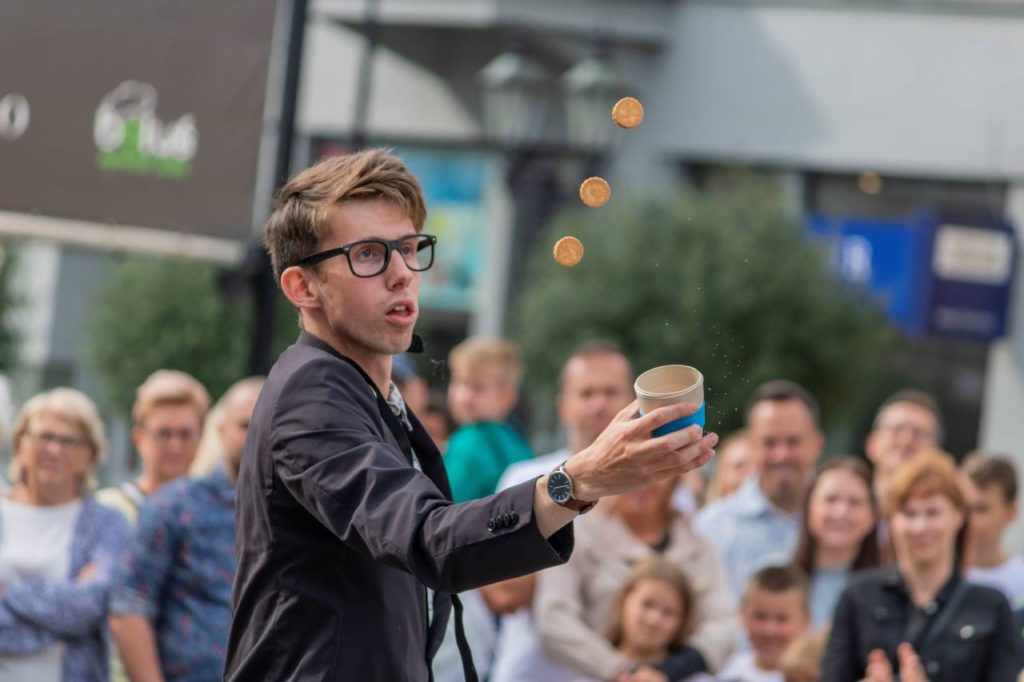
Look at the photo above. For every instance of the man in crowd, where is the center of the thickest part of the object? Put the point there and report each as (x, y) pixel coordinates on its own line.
(352, 549)
(757, 525)
(170, 608)
(595, 384)
(908, 422)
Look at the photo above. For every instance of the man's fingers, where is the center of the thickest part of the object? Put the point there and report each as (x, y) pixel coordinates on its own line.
(628, 412)
(664, 415)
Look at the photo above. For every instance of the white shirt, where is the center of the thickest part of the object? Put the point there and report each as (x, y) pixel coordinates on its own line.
(35, 542)
(518, 655)
(1008, 578)
(741, 668)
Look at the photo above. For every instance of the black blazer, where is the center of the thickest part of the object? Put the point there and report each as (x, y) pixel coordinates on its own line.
(978, 643)
(338, 535)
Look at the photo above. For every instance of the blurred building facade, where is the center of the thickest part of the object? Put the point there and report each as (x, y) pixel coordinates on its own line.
(862, 108)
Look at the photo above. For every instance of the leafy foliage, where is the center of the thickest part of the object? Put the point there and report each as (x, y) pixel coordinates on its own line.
(152, 314)
(723, 281)
(9, 302)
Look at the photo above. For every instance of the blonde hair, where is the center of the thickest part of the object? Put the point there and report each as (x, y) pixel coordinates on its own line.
(657, 568)
(478, 354)
(714, 490)
(169, 387)
(302, 212)
(805, 652)
(68, 404)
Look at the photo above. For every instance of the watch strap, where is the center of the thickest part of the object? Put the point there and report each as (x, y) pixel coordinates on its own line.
(577, 505)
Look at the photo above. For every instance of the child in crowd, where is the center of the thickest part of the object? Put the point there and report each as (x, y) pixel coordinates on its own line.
(990, 482)
(485, 378)
(774, 611)
(653, 615)
(801, 661)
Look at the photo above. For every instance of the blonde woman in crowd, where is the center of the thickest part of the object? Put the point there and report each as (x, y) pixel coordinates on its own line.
(733, 464)
(58, 545)
(167, 418)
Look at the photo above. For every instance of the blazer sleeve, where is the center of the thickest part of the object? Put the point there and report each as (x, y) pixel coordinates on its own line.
(564, 635)
(841, 662)
(331, 458)
(70, 608)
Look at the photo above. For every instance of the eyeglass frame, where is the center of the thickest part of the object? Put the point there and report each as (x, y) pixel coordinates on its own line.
(391, 245)
(48, 439)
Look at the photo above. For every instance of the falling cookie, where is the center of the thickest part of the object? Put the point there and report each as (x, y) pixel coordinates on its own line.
(568, 251)
(628, 112)
(595, 192)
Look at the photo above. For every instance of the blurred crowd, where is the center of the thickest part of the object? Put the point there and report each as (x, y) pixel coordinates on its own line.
(771, 564)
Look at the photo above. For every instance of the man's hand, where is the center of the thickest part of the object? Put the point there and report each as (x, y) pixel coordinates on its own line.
(625, 456)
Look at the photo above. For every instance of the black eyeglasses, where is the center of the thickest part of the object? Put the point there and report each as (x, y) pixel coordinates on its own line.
(370, 257)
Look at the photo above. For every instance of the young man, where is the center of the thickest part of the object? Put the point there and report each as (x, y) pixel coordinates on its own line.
(484, 388)
(351, 548)
(757, 525)
(990, 482)
(774, 612)
(170, 607)
(907, 422)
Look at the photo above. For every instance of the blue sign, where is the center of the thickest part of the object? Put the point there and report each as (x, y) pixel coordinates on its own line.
(933, 275)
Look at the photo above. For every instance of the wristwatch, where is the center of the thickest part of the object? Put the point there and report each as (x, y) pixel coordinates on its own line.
(560, 490)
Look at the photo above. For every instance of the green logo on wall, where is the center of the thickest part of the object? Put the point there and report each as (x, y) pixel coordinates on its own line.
(131, 139)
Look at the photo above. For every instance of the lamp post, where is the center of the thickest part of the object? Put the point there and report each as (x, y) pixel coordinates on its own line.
(514, 98)
(591, 87)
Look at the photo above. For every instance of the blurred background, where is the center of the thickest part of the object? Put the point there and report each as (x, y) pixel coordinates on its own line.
(829, 191)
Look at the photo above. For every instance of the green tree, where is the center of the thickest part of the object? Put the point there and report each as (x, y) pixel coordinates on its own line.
(9, 302)
(155, 313)
(723, 281)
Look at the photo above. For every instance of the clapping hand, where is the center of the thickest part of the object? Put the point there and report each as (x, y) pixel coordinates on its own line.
(880, 670)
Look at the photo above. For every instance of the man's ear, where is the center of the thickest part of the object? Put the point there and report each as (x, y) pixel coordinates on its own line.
(299, 288)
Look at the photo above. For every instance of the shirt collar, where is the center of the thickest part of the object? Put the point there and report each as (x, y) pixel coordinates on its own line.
(397, 405)
(894, 581)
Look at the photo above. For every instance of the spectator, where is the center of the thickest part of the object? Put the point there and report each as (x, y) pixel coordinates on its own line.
(437, 420)
(58, 546)
(908, 422)
(596, 382)
(484, 388)
(168, 420)
(411, 385)
(573, 601)
(733, 465)
(171, 605)
(801, 661)
(837, 532)
(775, 612)
(757, 526)
(990, 482)
(653, 616)
(953, 629)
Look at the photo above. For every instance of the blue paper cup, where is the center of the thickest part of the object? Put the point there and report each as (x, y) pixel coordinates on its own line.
(670, 385)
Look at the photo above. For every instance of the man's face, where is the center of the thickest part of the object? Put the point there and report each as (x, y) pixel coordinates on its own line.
(594, 389)
(772, 620)
(786, 446)
(368, 317)
(235, 425)
(168, 439)
(901, 431)
(989, 513)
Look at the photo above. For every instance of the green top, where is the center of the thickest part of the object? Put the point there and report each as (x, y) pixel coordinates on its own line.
(478, 455)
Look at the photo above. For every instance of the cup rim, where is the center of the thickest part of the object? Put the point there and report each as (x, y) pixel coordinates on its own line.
(667, 394)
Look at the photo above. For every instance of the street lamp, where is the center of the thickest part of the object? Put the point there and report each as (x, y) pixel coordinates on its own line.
(591, 87)
(514, 98)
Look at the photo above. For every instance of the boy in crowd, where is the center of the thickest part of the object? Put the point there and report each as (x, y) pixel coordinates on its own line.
(990, 482)
(774, 611)
(486, 374)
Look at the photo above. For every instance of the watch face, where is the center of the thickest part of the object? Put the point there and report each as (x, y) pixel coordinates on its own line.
(559, 487)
